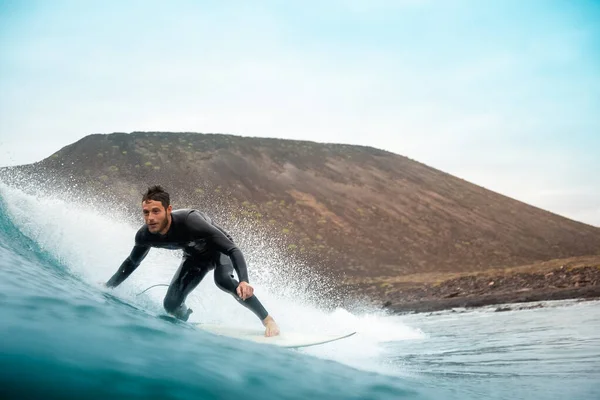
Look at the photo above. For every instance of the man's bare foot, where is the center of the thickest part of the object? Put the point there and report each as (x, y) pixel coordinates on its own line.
(272, 328)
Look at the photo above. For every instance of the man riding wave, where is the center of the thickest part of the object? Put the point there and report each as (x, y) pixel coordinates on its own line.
(206, 246)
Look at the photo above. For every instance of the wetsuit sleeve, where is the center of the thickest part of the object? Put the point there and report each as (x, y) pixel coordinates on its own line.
(139, 252)
(223, 231)
(220, 240)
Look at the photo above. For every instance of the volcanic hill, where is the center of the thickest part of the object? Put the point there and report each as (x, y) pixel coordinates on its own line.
(359, 213)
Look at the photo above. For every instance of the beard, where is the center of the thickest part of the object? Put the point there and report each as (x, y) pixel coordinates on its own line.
(161, 225)
(164, 224)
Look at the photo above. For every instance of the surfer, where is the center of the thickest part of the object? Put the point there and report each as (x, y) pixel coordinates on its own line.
(206, 246)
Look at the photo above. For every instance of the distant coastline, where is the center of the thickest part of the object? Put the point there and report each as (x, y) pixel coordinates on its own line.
(577, 278)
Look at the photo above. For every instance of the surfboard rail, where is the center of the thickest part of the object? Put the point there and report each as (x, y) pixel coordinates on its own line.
(284, 339)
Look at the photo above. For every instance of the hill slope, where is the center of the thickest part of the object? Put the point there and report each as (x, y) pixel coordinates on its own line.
(363, 211)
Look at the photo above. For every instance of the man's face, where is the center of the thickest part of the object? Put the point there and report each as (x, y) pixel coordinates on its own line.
(156, 216)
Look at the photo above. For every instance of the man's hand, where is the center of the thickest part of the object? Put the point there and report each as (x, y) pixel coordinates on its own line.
(244, 290)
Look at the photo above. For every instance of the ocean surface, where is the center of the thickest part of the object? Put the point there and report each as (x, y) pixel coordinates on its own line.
(64, 336)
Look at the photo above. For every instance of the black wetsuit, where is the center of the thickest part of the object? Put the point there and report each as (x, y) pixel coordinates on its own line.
(205, 247)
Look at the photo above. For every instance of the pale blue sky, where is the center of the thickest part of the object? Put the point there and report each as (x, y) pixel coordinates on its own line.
(504, 94)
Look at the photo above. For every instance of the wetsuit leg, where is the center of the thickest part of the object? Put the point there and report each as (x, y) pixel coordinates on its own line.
(226, 281)
(188, 276)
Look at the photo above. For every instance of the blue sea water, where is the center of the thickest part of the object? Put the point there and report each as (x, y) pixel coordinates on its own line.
(63, 335)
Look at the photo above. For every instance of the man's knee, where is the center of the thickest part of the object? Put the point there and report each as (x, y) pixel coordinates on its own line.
(225, 281)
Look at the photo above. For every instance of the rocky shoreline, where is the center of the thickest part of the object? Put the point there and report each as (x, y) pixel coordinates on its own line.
(561, 283)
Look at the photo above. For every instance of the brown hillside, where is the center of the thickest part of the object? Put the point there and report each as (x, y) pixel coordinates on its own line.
(364, 211)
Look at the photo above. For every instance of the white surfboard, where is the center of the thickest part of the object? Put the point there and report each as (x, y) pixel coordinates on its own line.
(284, 339)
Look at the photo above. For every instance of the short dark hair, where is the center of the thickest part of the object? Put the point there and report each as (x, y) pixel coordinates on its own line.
(157, 193)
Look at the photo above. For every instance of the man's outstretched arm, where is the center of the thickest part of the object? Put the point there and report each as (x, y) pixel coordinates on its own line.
(129, 265)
